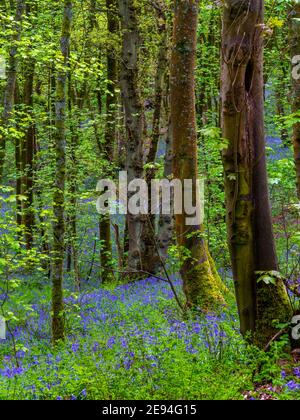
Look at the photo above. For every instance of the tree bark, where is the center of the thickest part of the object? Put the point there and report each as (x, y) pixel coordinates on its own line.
(166, 222)
(295, 51)
(28, 156)
(110, 135)
(11, 81)
(151, 260)
(201, 286)
(73, 187)
(27, 149)
(18, 159)
(249, 221)
(60, 175)
(134, 121)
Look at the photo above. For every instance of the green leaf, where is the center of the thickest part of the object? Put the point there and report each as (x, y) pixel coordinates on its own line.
(231, 177)
(267, 280)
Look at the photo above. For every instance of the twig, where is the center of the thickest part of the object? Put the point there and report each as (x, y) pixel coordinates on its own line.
(164, 267)
(279, 334)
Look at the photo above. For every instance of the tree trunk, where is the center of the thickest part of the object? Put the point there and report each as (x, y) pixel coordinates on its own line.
(11, 82)
(166, 221)
(110, 135)
(201, 286)
(27, 149)
(295, 51)
(73, 187)
(150, 259)
(18, 159)
(28, 155)
(59, 188)
(134, 121)
(284, 134)
(249, 219)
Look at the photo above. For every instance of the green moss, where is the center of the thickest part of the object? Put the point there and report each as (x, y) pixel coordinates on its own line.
(273, 307)
(202, 287)
(216, 275)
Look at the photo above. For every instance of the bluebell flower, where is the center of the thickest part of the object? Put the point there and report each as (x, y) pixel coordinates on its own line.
(111, 342)
(296, 372)
(293, 386)
(12, 372)
(95, 347)
(75, 347)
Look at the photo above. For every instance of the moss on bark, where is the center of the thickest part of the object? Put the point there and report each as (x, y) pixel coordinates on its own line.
(202, 285)
(273, 307)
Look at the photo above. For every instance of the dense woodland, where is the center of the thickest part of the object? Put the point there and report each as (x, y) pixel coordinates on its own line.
(146, 306)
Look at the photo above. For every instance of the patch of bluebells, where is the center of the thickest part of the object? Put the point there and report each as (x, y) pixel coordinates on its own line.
(279, 151)
(127, 328)
(11, 372)
(291, 380)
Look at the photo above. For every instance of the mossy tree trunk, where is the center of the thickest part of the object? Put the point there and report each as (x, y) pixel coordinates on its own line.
(295, 51)
(249, 219)
(201, 285)
(60, 177)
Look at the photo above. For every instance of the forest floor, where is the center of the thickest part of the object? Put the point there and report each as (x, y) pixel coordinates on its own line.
(131, 342)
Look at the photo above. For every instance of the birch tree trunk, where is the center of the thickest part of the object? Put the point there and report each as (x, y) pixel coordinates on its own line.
(202, 286)
(59, 188)
(249, 219)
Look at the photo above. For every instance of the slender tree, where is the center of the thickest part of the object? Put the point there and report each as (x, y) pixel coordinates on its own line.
(110, 131)
(151, 261)
(59, 188)
(295, 52)
(18, 158)
(27, 147)
(11, 80)
(249, 219)
(28, 156)
(134, 120)
(166, 221)
(202, 286)
(73, 181)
